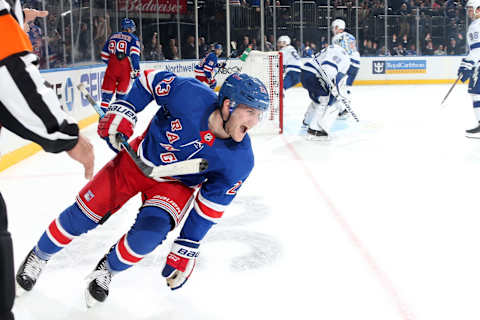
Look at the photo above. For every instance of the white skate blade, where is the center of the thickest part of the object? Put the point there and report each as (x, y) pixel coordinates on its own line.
(19, 291)
(90, 301)
(311, 137)
(472, 135)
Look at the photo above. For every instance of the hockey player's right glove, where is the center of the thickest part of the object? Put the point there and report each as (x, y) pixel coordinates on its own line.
(222, 65)
(466, 69)
(119, 120)
(134, 74)
(180, 262)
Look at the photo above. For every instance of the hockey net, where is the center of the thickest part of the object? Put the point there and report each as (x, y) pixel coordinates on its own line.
(268, 67)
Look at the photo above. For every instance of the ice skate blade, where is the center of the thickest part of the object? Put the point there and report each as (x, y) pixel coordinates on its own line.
(90, 301)
(473, 135)
(311, 137)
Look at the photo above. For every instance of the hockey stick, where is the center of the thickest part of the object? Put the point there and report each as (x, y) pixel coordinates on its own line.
(174, 169)
(336, 94)
(450, 90)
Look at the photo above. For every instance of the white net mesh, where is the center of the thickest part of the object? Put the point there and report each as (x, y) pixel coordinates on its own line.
(267, 66)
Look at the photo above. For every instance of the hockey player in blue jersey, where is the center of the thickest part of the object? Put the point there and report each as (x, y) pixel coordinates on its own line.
(210, 127)
(206, 70)
(324, 77)
(121, 53)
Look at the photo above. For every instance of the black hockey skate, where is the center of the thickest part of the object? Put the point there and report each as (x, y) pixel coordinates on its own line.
(317, 134)
(97, 290)
(473, 133)
(29, 272)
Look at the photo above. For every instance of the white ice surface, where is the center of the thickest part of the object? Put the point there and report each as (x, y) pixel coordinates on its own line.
(379, 223)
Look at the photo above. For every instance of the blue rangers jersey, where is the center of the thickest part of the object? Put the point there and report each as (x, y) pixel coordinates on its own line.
(206, 67)
(179, 131)
(122, 44)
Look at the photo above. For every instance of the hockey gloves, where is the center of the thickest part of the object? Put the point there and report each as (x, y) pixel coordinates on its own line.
(466, 69)
(119, 120)
(134, 74)
(222, 65)
(180, 262)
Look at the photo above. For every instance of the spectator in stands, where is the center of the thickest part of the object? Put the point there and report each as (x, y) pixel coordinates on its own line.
(383, 51)
(202, 47)
(188, 51)
(399, 50)
(172, 50)
(404, 41)
(453, 49)
(440, 50)
(394, 41)
(244, 45)
(428, 50)
(153, 51)
(268, 45)
(412, 50)
(102, 31)
(83, 43)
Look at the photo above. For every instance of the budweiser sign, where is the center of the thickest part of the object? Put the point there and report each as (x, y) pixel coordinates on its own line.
(153, 6)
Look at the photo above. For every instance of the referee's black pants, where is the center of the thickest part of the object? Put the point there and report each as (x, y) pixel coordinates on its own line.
(7, 278)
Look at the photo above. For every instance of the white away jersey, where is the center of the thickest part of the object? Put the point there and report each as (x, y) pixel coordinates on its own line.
(333, 60)
(473, 41)
(291, 59)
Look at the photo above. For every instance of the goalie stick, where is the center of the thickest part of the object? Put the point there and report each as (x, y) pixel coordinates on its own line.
(174, 169)
(336, 94)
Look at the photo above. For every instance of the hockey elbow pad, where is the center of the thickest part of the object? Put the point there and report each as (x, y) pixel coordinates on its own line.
(180, 262)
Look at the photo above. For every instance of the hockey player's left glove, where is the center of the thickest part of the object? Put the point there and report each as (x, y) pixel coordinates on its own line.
(119, 120)
(466, 69)
(134, 74)
(180, 262)
(222, 65)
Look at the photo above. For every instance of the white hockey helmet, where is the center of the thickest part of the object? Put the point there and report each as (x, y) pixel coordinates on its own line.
(338, 24)
(285, 40)
(474, 4)
(346, 41)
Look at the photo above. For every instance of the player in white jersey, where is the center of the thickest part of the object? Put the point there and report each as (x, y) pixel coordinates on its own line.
(349, 43)
(469, 67)
(325, 79)
(292, 65)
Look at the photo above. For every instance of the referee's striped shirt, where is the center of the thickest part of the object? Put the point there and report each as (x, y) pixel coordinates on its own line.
(27, 107)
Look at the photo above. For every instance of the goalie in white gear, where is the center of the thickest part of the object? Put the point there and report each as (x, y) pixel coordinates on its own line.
(292, 65)
(349, 43)
(469, 66)
(324, 76)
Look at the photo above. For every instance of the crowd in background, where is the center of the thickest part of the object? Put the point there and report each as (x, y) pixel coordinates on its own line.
(415, 27)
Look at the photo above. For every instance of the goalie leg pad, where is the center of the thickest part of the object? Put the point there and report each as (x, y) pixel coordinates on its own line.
(324, 117)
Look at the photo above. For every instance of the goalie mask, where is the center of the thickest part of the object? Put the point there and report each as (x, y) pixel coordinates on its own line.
(240, 88)
(346, 41)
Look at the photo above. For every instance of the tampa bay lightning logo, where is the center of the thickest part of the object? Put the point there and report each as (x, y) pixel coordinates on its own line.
(378, 67)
